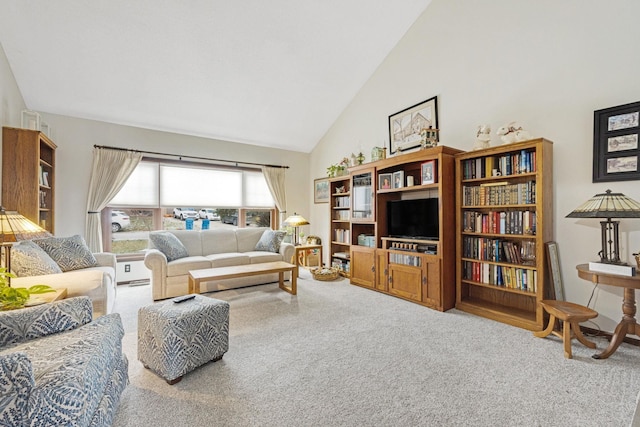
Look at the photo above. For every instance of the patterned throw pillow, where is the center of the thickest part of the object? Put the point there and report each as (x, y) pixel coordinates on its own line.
(29, 259)
(270, 241)
(70, 253)
(169, 244)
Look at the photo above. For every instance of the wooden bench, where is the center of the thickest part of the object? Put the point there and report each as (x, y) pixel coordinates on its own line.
(219, 273)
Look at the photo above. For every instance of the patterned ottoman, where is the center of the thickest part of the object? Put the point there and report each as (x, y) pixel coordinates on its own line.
(174, 339)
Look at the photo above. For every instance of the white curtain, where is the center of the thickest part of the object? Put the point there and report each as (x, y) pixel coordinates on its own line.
(275, 181)
(110, 171)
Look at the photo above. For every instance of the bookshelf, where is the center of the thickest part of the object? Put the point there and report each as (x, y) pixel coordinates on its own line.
(340, 225)
(28, 172)
(504, 215)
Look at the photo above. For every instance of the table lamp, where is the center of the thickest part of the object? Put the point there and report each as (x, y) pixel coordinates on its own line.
(295, 221)
(13, 228)
(608, 205)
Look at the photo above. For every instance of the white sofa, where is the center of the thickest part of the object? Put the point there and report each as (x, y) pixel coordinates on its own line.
(98, 283)
(220, 247)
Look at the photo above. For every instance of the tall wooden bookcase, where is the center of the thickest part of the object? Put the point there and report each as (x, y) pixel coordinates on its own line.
(340, 225)
(28, 175)
(504, 215)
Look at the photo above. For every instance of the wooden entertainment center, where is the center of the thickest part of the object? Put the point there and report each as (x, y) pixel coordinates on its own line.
(422, 271)
(494, 215)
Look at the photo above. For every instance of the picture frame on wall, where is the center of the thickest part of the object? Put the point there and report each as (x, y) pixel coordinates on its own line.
(385, 181)
(405, 126)
(616, 149)
(321, 190)
(428, 172)
(398, 179)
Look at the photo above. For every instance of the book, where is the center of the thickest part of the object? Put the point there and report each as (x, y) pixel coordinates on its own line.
(623, 270)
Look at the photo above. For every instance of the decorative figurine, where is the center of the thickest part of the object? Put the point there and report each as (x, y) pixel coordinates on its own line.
(428, 137)
(513, 132)
(483, 137)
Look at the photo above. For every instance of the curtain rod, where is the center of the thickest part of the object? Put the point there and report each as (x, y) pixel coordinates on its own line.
(190, 157)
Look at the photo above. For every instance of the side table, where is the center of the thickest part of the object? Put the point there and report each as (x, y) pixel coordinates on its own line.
(301, 253)
(628, 324)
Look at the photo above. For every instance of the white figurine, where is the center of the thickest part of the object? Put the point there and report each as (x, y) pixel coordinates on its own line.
(513, 132)
(483, 137)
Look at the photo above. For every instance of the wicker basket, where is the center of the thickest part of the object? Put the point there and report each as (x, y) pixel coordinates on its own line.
(325, 273)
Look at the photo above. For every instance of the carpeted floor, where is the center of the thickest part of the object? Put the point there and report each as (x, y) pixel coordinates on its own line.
(340, 355)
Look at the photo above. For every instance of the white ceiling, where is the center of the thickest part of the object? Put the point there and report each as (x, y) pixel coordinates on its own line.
(266, 72)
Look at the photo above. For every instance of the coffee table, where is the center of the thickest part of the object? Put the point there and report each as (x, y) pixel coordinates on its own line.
(219, 273)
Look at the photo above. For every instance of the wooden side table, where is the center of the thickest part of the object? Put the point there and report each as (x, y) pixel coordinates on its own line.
(301, 253)
(628, 324)
(58, 295)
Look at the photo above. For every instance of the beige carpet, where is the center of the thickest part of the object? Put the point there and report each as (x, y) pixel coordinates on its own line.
(340, 355)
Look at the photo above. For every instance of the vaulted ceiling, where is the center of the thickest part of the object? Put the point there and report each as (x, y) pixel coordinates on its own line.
(266, 72)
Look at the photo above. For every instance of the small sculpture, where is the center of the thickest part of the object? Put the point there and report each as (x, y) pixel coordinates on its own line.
(513, 132)
(483, 137)
(429, 137)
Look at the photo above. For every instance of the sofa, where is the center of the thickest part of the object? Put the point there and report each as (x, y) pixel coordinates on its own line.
(58, 367)
(220, 247)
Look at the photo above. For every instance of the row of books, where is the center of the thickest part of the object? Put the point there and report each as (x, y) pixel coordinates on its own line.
(342, 235)
(43, 199)
(505, 165)
(43, 178)
(342, 202)
(498, 275)
(342, 265)
(403, 259)
(341, 215)
(498, 250)
(500, 222)
(501, 193)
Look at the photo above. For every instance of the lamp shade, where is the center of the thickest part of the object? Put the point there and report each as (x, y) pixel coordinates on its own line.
(15, 227)
(607, 205)
(295, 220)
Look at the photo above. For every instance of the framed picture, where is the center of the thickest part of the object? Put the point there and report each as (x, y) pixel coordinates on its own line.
(385, 181)
(616, 152)
(321, 190)
(405, 126)
(398, 179)
(554, 267)
(428, 172)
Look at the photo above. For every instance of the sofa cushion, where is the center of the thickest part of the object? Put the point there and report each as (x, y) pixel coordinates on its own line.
(218, 241)
(228, 260)
(29, 259)
(248, 237)
(256, 257)
(270, 241)
(168, 244)
(182, 266)
(70, 253)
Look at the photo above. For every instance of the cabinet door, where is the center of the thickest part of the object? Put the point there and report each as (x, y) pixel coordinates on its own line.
(405, 281)
(382, 271)
(432, 281)
(363, 196)
(363, 266)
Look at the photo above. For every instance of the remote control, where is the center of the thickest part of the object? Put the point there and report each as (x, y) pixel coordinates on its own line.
(183, 298)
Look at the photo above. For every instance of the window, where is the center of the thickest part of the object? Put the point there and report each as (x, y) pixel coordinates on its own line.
(160, 196)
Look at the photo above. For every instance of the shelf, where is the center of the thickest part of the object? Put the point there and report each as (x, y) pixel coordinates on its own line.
(341, 243)
(498, 235)
(412, 188)
(517, 317)
(500, 288)
(499, 178)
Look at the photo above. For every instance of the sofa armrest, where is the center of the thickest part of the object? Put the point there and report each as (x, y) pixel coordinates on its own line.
(156, 262)
(16, 383)
(106, 259)
(287, 250)
(29, 323)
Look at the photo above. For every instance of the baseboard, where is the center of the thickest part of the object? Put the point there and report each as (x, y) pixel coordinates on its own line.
(608, 335)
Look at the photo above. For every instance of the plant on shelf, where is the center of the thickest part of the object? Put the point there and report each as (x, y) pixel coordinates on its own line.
(13, 298)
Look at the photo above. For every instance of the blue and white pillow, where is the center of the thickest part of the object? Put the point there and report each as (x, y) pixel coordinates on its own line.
(70, 253)
(29, 259)
(270, 241)
(169, 244)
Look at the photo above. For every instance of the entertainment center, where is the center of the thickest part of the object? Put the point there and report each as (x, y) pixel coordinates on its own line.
(394, 237)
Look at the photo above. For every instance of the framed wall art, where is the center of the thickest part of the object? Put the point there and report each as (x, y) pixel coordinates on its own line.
(554, 266)
(321, 190)
(405, 126)
(616, 152)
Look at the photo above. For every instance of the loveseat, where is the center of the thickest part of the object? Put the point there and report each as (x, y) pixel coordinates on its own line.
(68, 264)
(220, 247)
(58, 367)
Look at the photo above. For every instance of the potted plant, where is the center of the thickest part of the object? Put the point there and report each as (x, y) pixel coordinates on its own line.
(13, 298)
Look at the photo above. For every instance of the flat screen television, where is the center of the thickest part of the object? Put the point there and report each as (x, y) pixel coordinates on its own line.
(413, 219)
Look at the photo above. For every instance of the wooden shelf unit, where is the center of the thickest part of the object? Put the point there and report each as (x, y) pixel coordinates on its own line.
(503, 220)
(431, 280)
(340, 224)
(28, 175)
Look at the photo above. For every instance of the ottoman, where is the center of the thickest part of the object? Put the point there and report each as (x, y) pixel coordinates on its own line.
(174, 339)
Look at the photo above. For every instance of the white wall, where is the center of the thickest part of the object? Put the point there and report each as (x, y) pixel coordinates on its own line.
(547, 64)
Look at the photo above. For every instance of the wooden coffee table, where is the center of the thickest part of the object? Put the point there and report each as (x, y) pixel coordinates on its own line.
(219, 273)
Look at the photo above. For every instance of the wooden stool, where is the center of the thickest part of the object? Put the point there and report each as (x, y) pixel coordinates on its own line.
(571, 315)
